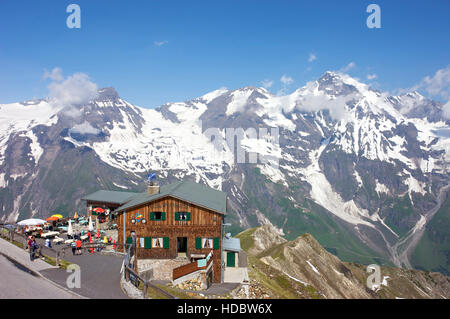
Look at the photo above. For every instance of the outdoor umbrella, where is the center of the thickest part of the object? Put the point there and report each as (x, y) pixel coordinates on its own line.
(90, 227)
(58, 215)
(98, 210)
(75, 216)
(51, 219)
(69, 229)
(31, 222)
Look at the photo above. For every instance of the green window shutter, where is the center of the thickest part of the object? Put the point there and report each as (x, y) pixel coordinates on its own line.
(147, 242)
(177, 216)
(188, 216)
(216, 243)
(129, 240)
(198, 243)
(152, 216)
(163, 216)
(166, 242)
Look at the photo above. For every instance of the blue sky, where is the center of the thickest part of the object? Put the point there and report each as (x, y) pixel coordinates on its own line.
(206, 45)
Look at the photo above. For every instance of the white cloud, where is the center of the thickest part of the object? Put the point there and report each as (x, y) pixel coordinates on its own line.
(266, 83)
(54, 75)
(161, 43)
(348, 67)
(84, 128)
(371, 76)
(69, 93)
(438, 84)
(314, 103)
(286, 79)
(336, 106)
(312, 57)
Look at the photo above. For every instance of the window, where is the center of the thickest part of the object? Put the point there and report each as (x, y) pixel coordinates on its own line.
(157, 242)
(182, 216)
(207, 243)
(157, 216)
(160, 242)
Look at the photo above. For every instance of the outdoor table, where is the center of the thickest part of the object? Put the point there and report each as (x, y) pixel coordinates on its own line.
(58, 240)
(50, 234)
(68, 241)
(84, 237)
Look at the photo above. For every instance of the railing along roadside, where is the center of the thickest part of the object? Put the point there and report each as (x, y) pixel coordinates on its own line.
(87, 246)
(13, 236)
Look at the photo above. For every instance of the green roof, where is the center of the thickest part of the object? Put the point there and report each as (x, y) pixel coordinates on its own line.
(115, 197)
(192, 192)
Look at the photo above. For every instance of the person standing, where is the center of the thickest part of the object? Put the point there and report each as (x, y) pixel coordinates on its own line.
(74, 247)
(78, 246)
(29, 242)
(34, 246)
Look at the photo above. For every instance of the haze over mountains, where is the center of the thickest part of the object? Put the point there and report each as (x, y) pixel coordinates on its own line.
(363, 171)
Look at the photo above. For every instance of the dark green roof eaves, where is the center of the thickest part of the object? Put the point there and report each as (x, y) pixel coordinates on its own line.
(192, 192)
(115, 197)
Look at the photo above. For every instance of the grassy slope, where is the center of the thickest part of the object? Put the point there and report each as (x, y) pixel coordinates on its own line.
(433, 250)
(402, 283)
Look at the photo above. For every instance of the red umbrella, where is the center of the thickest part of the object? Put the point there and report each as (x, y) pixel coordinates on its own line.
(98, 210)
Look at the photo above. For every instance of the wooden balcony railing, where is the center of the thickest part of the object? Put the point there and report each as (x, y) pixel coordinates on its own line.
(188, 269)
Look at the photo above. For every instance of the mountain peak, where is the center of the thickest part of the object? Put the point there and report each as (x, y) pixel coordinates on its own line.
(334, 83)
(330, 76)
(108, 93)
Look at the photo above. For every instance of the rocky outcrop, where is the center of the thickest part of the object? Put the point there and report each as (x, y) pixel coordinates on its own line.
(310, 271)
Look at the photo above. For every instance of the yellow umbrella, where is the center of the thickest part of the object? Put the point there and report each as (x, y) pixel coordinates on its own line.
(105, 240)
(58, 215)
(75, 216)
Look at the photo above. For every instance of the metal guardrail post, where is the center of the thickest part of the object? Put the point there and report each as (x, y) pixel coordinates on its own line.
(57, 258)
(145, 289)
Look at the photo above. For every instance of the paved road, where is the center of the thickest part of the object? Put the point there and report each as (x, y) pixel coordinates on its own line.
(17, 282)
(100, 275)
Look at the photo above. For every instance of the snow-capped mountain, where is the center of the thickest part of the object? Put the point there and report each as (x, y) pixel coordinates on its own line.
(359, 169)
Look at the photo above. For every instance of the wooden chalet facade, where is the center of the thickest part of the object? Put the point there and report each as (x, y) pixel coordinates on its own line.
(180, 220)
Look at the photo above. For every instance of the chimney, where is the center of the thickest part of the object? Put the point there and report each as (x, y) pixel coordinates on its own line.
(153, 188)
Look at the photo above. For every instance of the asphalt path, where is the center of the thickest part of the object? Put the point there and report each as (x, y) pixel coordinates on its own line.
(99, 274)
(17, 282)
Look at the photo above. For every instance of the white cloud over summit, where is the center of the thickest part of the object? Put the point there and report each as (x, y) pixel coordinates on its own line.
(71, 92)
(438, 85)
